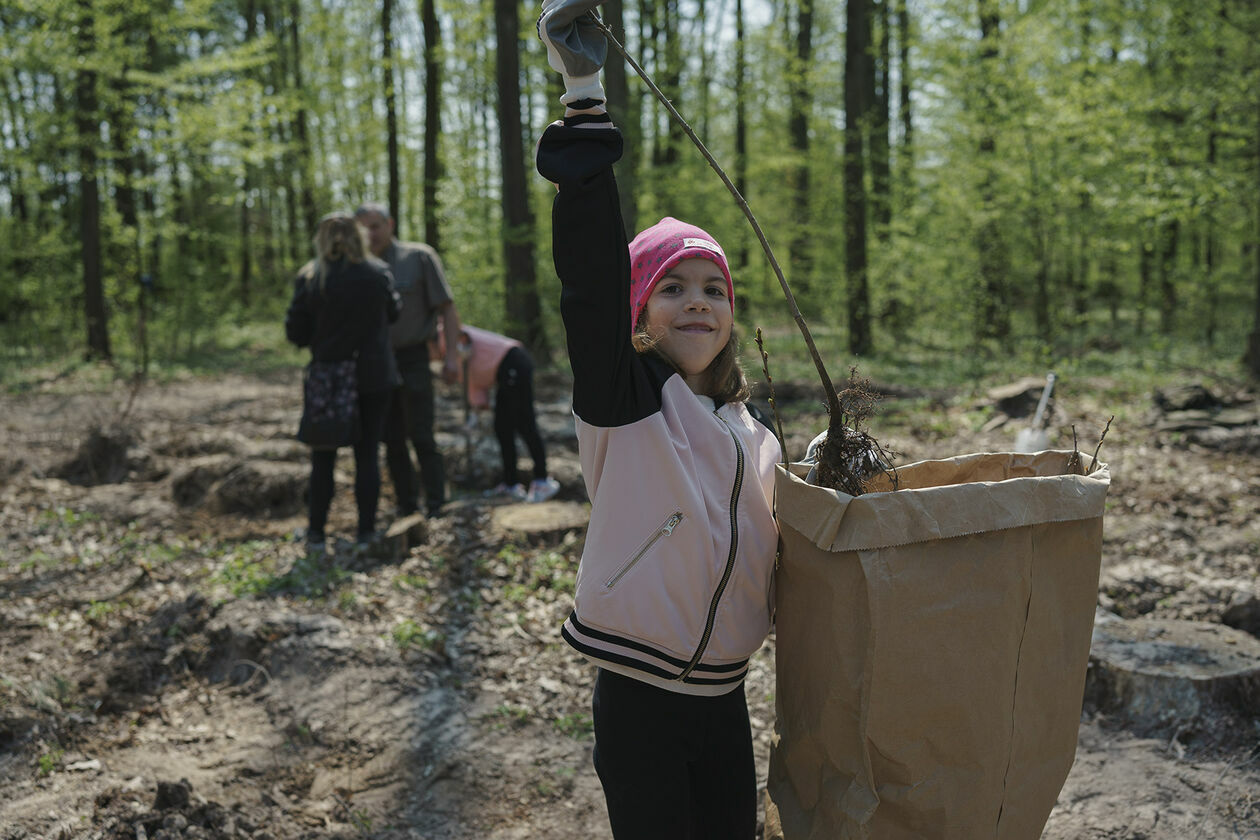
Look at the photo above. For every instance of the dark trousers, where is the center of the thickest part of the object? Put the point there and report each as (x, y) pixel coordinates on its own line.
(514, 414)
(410, 417)
(674, 766)
(367, 472)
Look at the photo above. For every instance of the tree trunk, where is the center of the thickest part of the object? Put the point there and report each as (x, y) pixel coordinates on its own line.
(391, 111)
(1084, 220)
(1146, 270)
(798, 130)
(149, 200)
(673, 77)
(1041, 237)
(1210, 280)
(856, 65)
(1171, 235)
(432, 121)
(15, 112)
(994, 319)
(880, 123)
(305, 163)
(1252, 356)
(89, 135)
(741, 122)
(285, 170)
(906, 158)
(524, 315)
(626, 113)
(245, 277)
(702, 120)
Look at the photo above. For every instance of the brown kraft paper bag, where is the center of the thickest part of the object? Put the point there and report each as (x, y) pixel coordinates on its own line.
(931, 647)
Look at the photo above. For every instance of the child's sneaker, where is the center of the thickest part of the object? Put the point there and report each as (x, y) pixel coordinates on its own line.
(512, 491)
(542, 489)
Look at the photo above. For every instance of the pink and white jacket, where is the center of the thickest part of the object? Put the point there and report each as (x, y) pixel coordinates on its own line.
(674, 584)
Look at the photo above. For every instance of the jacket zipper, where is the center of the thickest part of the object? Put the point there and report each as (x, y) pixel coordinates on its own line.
(666, 529)
(730, 556)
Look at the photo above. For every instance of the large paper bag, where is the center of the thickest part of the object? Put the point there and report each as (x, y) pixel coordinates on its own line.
(931, 649)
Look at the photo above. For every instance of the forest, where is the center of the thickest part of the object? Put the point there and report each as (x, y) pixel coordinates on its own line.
(985, 177)
(961, 194)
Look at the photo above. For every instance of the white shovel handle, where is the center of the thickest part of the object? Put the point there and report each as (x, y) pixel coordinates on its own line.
(1045, 398)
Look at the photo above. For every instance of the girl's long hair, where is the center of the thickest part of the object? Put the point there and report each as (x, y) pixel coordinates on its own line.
(724, 378)
(338, 237)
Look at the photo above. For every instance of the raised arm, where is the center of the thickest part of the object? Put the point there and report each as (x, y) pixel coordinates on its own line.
(610, 383)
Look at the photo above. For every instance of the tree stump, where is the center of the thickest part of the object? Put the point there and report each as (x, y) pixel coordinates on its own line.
(1156, 672)
(1243, 612)
(404, 534)
(192, 481)
(261, 488)
(542, 521)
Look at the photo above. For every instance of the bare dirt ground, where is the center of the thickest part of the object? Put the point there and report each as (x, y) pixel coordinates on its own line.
(173, 665)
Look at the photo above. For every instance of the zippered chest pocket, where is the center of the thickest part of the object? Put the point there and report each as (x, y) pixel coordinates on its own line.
(664, 530)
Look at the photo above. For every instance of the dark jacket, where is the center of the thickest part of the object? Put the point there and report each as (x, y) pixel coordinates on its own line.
(348, 319)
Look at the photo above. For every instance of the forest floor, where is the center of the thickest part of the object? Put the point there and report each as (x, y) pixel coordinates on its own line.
(173, 665)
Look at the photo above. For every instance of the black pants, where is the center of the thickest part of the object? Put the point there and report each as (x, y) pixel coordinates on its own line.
(674, 766)
(367, 472)
(514, 414)
(410, 417)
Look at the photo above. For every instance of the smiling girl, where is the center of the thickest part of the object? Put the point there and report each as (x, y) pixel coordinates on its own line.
(673, 590)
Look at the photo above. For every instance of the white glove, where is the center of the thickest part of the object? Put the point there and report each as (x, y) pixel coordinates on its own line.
(575, 47)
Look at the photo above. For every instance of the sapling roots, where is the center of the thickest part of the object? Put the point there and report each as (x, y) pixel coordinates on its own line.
(849, 458)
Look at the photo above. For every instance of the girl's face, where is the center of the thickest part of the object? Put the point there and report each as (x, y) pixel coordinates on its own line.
(689, 316)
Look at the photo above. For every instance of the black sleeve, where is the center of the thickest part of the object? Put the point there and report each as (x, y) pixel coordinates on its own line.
(611, 385)
(299, 324)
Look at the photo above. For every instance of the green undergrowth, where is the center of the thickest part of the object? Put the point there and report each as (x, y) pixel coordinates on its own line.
(1117, 360)
(1115, 365)
(256, 348)
(258, 567)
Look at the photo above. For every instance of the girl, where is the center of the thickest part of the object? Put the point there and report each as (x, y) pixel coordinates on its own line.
(343, 303)
(673, 589)
(487, 360)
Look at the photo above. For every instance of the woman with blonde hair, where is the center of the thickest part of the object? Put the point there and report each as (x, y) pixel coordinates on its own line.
(343, 303)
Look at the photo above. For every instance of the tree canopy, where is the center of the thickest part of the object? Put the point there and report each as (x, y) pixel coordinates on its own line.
(1027, 173)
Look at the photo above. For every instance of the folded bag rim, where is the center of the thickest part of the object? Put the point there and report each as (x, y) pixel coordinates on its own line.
(942, 499)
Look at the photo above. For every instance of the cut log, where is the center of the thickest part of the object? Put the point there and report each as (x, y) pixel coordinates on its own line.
(1019, 399)
(1248, 415)
(1157, 672)
(1180, 421)
(1185, 397)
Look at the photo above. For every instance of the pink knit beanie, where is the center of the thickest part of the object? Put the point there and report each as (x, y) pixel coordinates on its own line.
(661, 247)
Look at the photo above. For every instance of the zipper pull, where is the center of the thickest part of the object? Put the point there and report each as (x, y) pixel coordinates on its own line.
(670, 524)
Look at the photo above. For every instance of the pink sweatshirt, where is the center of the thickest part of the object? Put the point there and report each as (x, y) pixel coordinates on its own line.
(487, 350)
